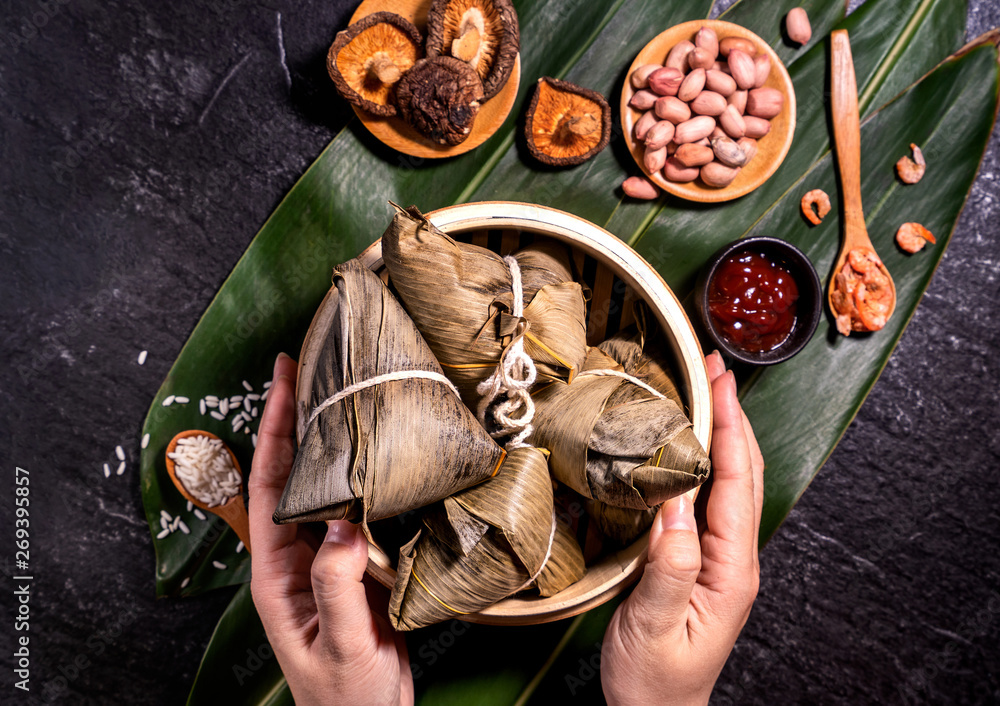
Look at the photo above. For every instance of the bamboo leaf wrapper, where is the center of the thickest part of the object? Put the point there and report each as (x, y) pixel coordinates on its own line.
(446, 571)
(387, 448)
(461, 298)
(614, 441)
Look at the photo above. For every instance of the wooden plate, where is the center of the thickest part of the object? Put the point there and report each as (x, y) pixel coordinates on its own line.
(397, 133)
(771, 149)
(619, 275)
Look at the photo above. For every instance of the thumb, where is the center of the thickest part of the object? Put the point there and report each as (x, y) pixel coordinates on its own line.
(337, 571)
(659, 603)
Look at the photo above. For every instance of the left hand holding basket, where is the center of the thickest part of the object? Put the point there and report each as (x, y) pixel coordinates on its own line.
(324, 625)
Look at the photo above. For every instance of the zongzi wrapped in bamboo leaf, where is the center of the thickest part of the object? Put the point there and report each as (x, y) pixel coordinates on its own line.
(478, 546)
(617, 440)
(641, 352)
(462, 299)
(386, 432)
(620, 524)
(565, 565)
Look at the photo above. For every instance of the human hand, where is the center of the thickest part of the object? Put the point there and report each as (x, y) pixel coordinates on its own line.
(667, 643)
(331, 645)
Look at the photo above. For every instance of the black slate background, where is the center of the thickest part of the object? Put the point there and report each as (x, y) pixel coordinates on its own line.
(143, 144)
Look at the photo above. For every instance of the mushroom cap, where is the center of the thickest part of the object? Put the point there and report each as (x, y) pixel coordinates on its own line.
(499, 36)
(367, 59)
(440, 97)
(567, 124)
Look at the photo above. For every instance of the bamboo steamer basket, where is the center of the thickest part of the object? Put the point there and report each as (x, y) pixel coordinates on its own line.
(617, 276)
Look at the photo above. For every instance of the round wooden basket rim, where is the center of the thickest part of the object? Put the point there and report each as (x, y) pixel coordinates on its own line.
(646, 282)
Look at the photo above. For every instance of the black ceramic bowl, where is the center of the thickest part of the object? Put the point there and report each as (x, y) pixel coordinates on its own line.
(809, 306)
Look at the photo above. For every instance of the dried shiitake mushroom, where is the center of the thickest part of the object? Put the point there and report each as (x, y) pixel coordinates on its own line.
(483, 33)
(567, 124)
(368, 58)
(440, 97)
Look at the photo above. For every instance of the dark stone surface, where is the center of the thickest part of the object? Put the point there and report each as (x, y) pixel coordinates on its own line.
(143, 144)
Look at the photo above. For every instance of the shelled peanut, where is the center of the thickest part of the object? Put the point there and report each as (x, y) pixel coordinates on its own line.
(703, 111)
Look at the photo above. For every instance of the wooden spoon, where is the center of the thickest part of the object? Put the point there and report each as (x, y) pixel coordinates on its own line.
(233, 511)
(847, 137)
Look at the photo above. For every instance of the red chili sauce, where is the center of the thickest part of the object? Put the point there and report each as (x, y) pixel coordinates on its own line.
(752, 301)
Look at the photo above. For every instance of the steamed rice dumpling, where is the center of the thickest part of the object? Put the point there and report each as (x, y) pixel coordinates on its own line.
(386, 432)
(565, 565)
(478, 546)
(617, 441)
(640, 351)
(462, 298)
(620, 524)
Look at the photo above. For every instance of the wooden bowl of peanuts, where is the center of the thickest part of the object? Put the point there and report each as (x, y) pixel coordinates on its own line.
(708, 111)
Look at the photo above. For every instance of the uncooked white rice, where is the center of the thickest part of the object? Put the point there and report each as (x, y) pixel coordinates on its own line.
(235, 400)
(190, 506)
(185, 582)
(218, 415)
(253, 397)
(181, 400)
(183, 527)
(218, 565)
(120, 453)
(238, 422)
(107, 471)
(254, 438)
(239, 547)
(168, 401)
(201, 406)
(164, 524)
(142, 357)
(211, 401)
(248, 386)
(223, 407)
(165, 515)
(121, 469)
(253, 413)
(267, 384)
(199, 514)
(206, 469)
(163, 534)
(145, 440)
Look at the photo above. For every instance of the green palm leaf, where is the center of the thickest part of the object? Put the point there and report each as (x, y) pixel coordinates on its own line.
(799, 409)
(247, 675)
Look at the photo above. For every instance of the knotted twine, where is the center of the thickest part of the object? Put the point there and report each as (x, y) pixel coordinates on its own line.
(513, 378)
